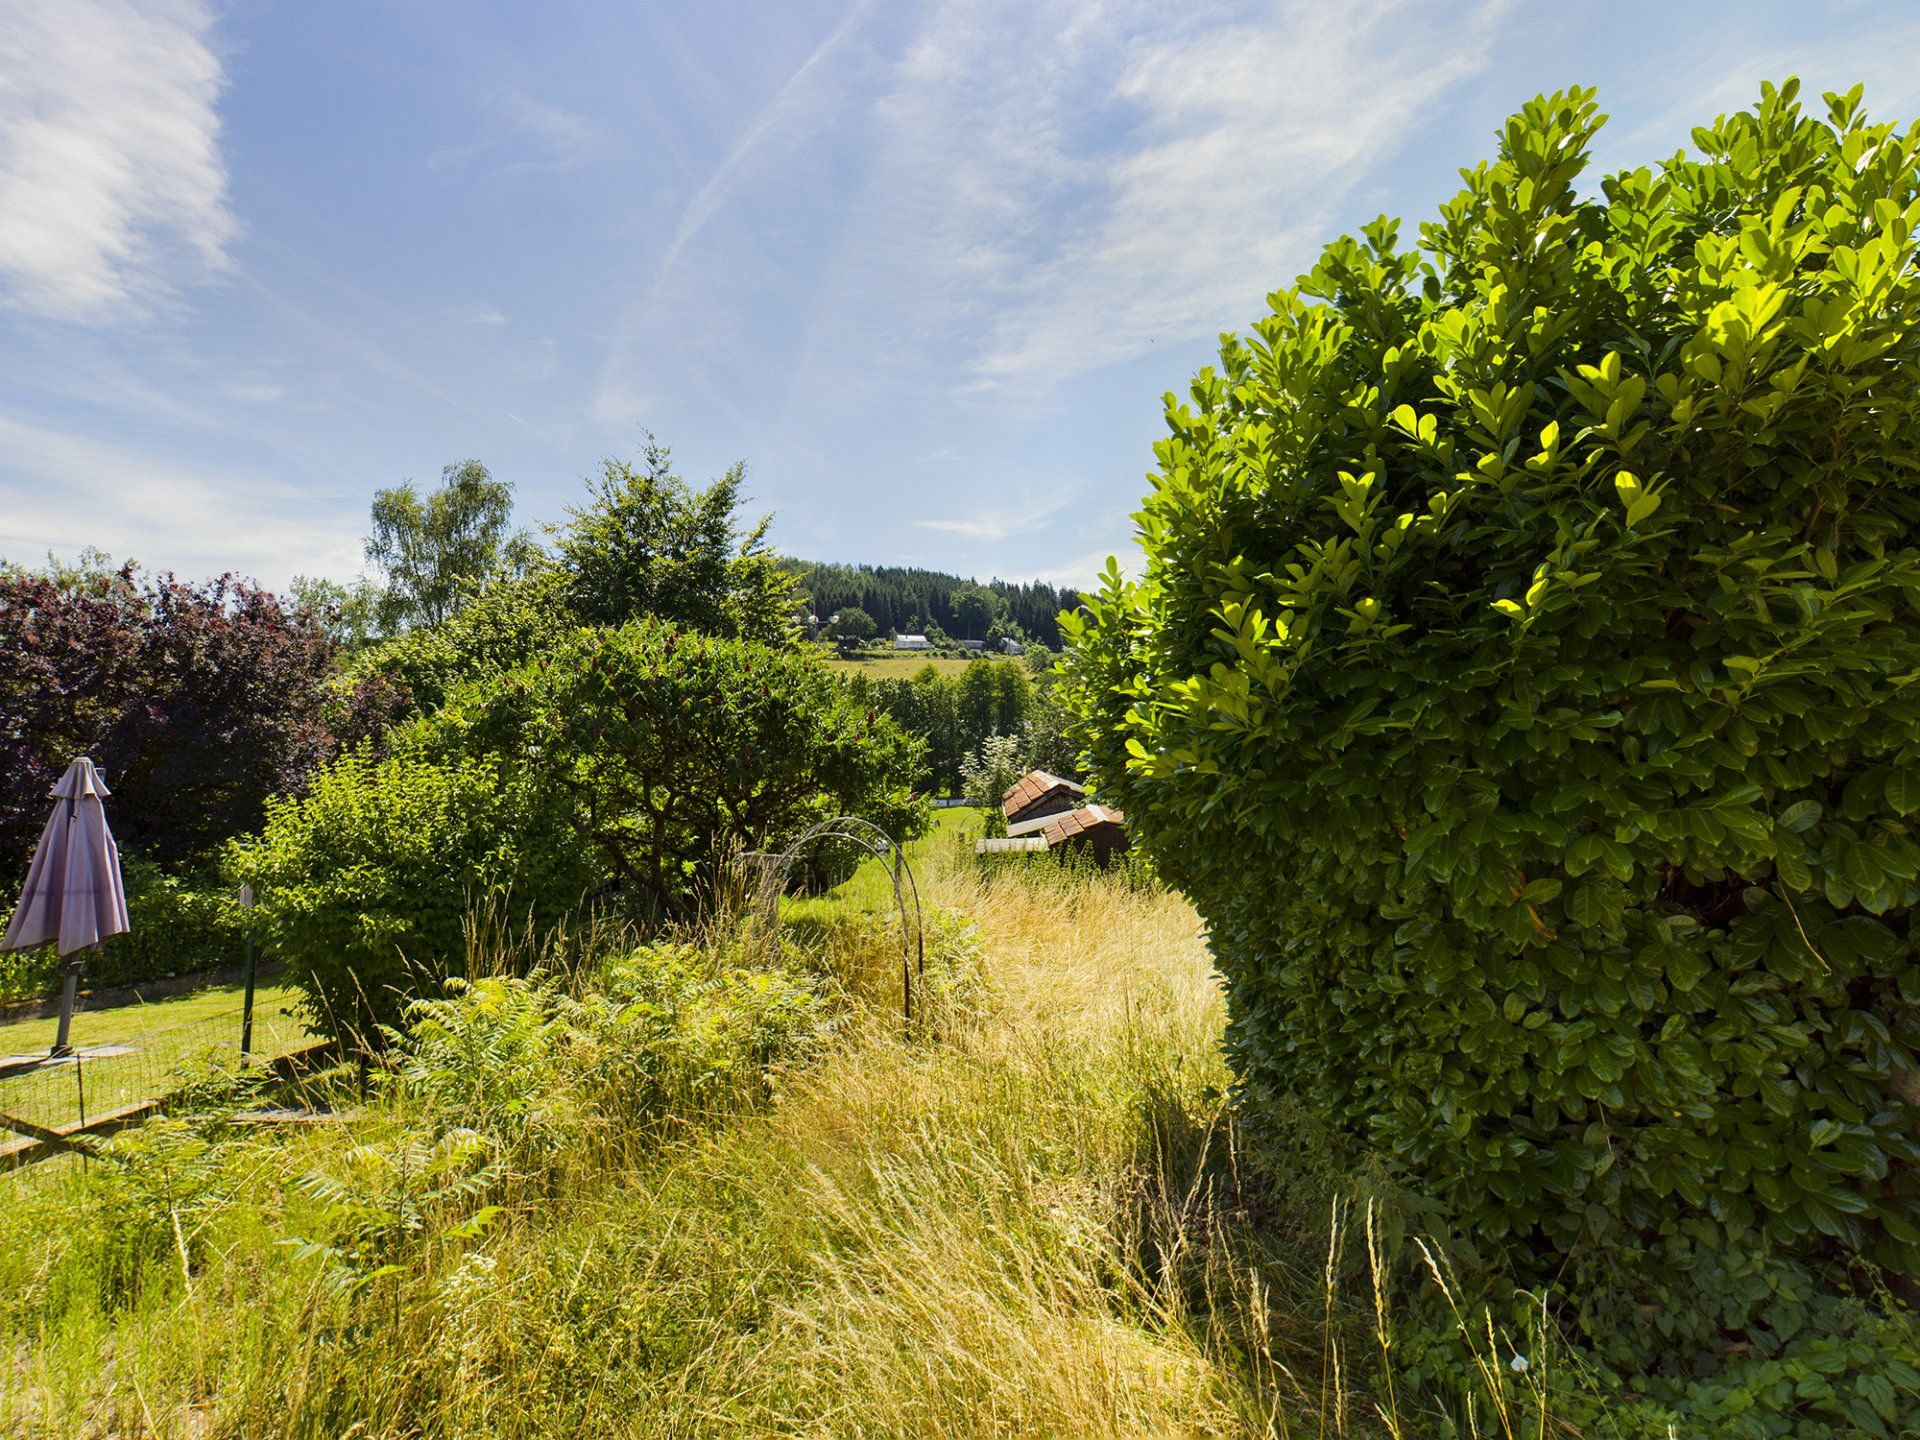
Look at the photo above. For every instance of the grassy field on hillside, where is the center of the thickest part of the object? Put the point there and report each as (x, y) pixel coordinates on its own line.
(1028, 1217)
(900, 665)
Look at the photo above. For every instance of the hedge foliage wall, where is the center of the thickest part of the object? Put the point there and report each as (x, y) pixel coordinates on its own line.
(1522, 682)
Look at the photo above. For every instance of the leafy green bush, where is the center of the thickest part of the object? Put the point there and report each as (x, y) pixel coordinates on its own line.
(988, 773)
(926, 704)
(665, 1030)
(28, 974)
(956, 715)
(368, 884)
(182, 925)
(380, 1205)
(499, 630)
(629, 761)
(665, 750)
(487, 1056)
(1854, 1371)
(1520, 685)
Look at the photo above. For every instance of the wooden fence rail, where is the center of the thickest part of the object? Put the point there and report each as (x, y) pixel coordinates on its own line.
(40, 1142)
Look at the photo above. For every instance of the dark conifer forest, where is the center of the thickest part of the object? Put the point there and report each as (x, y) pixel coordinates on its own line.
(904, 598)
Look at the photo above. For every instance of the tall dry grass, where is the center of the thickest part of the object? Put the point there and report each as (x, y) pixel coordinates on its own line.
(1026, 1218)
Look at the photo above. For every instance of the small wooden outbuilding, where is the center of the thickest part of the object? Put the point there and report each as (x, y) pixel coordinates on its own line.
(1048, 813)
(1039, 793)
(1093, 828)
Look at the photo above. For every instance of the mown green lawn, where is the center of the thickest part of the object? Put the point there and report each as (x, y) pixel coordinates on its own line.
(160, 1036)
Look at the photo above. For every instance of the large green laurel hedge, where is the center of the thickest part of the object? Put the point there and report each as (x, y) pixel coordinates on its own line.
(1525, 684)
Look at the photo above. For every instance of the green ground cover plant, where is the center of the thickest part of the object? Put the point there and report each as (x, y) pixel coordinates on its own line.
(684, 1192)
(1521, 685)
(680, 1190)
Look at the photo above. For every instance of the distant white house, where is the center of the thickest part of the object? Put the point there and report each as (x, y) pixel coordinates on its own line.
(973, 644)
(1011, 646)
(911, 642)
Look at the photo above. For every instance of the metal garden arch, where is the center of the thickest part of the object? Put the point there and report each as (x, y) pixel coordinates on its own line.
(776, 866)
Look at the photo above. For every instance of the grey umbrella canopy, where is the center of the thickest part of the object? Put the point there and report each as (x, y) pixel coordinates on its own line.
(73, 895)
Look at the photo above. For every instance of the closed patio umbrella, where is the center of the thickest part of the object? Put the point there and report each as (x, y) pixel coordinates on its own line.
(73, 896)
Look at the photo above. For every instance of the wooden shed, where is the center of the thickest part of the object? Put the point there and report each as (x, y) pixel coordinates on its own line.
(1038, 794)
(1094, 828)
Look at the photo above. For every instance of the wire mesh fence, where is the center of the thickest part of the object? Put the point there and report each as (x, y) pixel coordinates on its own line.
(128, 1055)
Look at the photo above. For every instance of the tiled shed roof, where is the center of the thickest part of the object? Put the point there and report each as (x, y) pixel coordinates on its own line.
(1035, 785)
(1079, 822)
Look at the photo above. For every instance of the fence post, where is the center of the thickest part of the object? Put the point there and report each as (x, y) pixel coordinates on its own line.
(246, 1013)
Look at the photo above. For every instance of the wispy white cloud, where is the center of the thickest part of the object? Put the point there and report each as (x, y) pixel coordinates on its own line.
(567, 137)
(1874, 45)
(624, 394)
(62, 491)
(1083, 572)
(348, 337)
(1078, 181)
(257, 392)
(484, 315)
(992, 523)
(538, 361)
(525, 135)
(113, 192)
(725, 175)
(620, 402)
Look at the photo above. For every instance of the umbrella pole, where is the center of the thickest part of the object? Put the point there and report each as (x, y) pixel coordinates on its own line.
(68, 992)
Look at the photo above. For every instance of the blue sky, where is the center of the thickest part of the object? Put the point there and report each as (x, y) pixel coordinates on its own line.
(926, 268)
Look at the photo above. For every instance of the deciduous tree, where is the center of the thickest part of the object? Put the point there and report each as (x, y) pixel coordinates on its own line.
(853, 623)
(437, 551)
(198, 702)
(649, 544)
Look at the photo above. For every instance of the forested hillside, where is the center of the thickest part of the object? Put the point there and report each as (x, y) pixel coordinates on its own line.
(902, 598)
